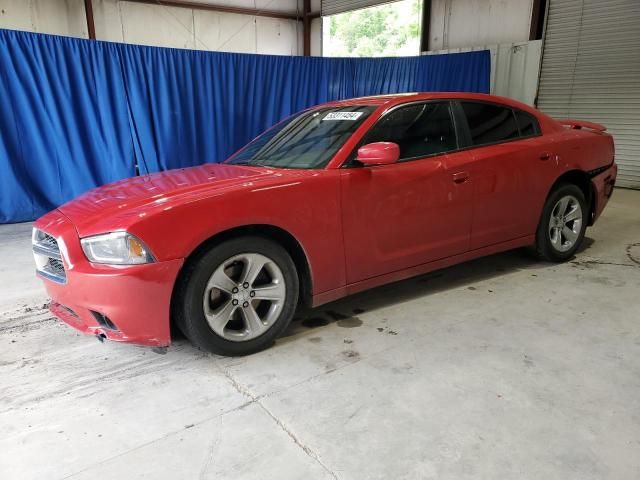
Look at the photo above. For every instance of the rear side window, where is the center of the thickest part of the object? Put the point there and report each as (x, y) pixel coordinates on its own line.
(420, 130)
(527, 124)
(489, 123)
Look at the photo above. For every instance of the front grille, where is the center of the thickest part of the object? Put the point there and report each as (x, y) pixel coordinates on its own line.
(48, 240)
(55, 267)
(46, 254)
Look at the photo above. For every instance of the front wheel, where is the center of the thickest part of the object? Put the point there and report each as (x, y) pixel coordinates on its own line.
(236, 298)
(563, 224)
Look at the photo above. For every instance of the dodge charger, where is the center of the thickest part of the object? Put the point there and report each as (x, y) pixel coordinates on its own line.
(337, 199)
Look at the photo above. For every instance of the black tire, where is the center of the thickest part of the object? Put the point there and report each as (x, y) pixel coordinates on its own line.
(544, 246)
(188, 307)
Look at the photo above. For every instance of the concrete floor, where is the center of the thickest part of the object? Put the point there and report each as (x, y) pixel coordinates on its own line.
(500, 368)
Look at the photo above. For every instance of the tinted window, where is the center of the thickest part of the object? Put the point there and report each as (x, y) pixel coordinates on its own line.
(489, 123)
(527, 124)
(420, 130)
(307, 140)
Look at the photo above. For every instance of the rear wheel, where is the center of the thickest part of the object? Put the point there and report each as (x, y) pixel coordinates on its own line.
(563, 224)
(236, 298)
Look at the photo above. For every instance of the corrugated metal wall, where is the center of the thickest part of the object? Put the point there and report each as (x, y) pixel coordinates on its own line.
(591, 71)
(129, 22)
(460, 23)
(514, 68)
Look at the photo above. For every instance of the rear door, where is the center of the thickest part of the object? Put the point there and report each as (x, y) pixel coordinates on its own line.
(412, 212)
(509, 158)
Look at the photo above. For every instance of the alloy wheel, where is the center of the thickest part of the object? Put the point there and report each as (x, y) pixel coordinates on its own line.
(244, 297)
(565, 223)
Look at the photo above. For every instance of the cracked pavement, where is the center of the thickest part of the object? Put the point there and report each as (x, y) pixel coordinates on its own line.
(503, 367)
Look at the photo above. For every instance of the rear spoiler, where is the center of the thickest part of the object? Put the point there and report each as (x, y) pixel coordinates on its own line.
(580, 124)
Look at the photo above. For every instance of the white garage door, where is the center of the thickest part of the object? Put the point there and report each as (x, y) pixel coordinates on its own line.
(331, 7)
(591, 71)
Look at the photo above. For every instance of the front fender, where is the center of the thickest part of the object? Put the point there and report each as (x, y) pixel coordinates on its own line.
(307, 208)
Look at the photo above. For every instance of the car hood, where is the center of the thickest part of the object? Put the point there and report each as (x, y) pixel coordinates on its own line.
(115, 205)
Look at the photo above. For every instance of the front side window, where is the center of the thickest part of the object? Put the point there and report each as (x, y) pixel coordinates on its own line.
(489, 123)
(420, 130)
(307, 141)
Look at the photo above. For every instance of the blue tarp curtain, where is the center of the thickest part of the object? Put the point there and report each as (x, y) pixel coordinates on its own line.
(76, 113)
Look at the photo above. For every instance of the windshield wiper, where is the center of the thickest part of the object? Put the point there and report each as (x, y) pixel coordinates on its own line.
(251, 163)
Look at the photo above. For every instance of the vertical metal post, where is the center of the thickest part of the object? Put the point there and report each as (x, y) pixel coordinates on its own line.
(537, 19)
(306, 28)
(91, 26)
(426, 25)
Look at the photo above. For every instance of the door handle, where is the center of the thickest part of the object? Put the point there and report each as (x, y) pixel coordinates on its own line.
(460, 177)
(545, 156)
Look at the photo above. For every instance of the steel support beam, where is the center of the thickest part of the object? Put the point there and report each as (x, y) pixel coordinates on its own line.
(425, 26)
(221, 8)
(91, 26)
(537, 19)
(306, 28)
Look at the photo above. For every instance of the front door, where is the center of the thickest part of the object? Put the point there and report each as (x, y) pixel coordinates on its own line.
(412, 212)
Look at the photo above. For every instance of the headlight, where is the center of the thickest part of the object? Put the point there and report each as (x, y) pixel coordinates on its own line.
(118, 248)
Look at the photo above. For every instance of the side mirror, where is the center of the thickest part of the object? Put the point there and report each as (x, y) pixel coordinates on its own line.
(378, 153)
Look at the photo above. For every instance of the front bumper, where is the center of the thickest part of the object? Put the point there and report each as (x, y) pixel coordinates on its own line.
(124, 303)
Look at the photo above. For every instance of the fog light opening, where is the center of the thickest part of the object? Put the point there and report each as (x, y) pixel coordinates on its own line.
(104, 321)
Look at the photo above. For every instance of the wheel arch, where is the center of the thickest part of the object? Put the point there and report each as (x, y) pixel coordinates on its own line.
(272, 232)
(582, 180)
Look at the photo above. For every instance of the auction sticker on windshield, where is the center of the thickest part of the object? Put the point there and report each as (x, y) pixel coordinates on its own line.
(342, 116)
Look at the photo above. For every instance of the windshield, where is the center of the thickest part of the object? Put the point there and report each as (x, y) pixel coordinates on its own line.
(307, 140)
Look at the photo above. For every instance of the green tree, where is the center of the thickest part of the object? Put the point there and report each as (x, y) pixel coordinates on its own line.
(386, 30)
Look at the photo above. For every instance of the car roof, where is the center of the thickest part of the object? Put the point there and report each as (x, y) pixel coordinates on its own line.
(398, 98)
(387, 101)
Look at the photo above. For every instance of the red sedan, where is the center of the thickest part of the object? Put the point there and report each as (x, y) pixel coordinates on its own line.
(337, 199)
